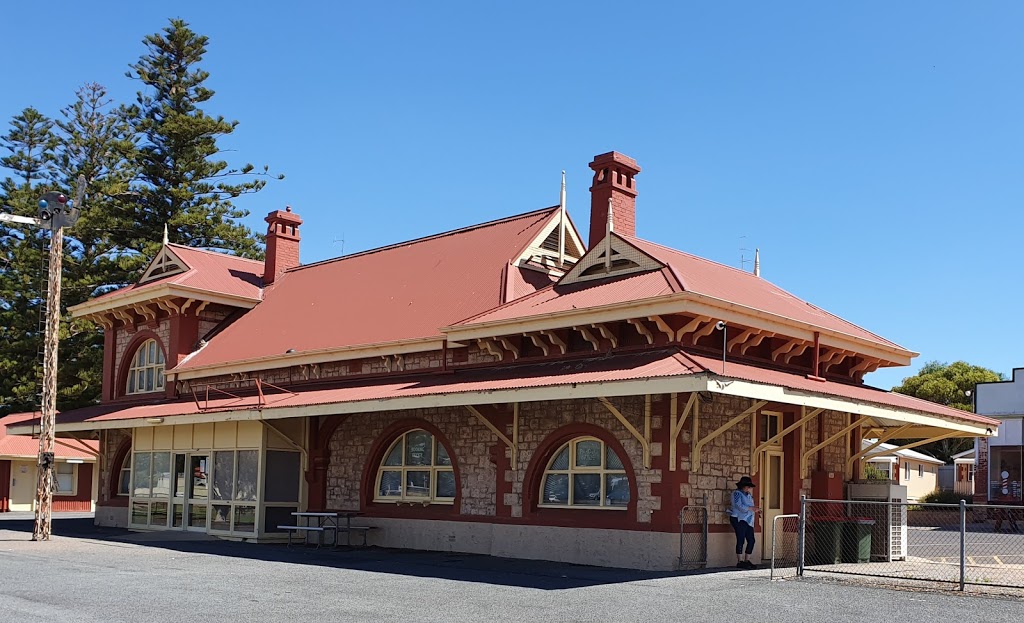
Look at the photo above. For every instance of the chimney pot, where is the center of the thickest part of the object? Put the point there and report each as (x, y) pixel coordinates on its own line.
(614, 180)
(282, 243)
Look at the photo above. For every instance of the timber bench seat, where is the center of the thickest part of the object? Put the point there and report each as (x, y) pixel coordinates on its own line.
(318, 530)
(364, 530)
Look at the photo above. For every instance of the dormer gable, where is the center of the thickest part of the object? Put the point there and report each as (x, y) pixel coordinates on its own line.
(626, 259)
(543, 251)
(165, 264)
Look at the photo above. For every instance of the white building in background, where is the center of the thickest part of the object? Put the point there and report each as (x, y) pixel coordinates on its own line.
(917, 471)
(999, 458)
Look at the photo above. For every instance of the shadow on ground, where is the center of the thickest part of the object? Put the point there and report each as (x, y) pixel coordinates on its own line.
(479, 568)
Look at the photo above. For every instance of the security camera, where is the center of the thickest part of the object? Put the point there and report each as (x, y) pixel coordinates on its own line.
(720, 325)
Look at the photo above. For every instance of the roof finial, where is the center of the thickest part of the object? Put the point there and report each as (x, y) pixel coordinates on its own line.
(608, 239)
(561, 224)
(757, 262)
(165, 234)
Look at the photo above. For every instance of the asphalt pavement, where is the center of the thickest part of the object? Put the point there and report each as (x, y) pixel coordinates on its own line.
(87, 574)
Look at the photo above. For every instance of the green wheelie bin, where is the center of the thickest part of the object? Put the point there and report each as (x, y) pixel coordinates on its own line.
(857, 539)
(828, 534)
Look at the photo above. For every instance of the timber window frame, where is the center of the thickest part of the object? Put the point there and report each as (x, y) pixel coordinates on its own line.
(406, 475)
(70, 490)
(585, 473)
(146, 371)
(124, 477)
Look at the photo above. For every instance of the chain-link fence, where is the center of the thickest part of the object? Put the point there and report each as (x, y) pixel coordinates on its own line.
(956, 544)
(693, 536)
(785, 546)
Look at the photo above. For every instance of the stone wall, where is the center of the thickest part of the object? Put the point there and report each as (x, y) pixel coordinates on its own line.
(474, 445)
(110, 443)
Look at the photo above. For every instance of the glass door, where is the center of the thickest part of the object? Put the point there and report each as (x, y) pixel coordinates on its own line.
(179, 486)
(771, 493)
(197, 509)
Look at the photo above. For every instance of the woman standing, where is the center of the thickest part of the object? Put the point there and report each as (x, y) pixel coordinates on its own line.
(741, 516)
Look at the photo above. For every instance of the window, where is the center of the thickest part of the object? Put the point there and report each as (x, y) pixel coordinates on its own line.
(1004, 472)
(147, 371)
(906, 471)
(416, 468)
(65, 474)
(585, 473)
(920, 470)
(771, 424)
(970, 472)
(124, 478)
(151, 488)
(233, 495)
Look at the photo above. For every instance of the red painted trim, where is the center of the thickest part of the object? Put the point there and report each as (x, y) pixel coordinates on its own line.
(376, 455)
(109, 356)
(581, 517)
(113, 499)
(121, 380)
(5, 486)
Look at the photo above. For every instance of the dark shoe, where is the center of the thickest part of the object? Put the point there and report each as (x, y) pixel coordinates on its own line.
(748, 565)
(740, 565)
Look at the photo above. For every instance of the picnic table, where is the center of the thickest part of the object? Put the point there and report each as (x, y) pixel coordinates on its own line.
(326, 521)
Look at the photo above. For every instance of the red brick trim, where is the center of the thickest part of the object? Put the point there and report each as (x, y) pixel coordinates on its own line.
(376, 455)
(121, 378)
(113, 499)
(576, 517)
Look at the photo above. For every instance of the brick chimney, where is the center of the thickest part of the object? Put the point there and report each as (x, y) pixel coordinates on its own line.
(282, 244)
(615, 177)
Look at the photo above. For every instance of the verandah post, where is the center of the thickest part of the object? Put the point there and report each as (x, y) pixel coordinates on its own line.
(801, 540)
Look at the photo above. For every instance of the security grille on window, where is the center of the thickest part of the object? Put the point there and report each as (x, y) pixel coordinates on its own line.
(416, 468)
(147, 371)
(585, 473)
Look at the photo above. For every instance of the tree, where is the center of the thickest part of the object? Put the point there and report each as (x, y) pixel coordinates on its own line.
(182, 183)
(28, 144)
(96, 141)
(952, 385)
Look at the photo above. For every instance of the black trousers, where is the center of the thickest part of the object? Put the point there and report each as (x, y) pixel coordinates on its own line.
(744, 532)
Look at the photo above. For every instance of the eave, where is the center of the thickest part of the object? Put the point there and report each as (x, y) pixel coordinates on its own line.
(148, 294)
(682, 302)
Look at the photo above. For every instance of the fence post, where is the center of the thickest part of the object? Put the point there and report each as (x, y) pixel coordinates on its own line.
(963, 543)
(801, 540)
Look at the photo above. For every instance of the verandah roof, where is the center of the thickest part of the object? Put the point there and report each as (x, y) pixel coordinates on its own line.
(649, 372)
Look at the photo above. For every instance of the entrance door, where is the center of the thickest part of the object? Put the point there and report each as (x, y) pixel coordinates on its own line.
(771, 494)
(196, 509)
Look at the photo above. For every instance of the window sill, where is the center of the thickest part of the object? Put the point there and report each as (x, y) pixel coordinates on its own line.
(583, 507)
(415, 502)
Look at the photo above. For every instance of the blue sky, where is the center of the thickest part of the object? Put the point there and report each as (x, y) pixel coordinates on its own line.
(873, 151)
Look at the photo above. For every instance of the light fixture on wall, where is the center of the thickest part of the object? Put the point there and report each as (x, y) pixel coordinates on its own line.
(154, 420)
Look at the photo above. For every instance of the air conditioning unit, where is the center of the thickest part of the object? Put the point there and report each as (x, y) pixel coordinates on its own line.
(889, 535)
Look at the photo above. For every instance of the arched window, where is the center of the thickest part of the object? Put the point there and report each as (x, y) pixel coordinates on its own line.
(585, 472)
(146, 373)
(416, 468)
(124, 475)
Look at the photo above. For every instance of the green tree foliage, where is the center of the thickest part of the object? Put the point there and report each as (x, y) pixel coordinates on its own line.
(27, 144)
(951, 385)
(182, 181)
(95, 140)
(151, 164)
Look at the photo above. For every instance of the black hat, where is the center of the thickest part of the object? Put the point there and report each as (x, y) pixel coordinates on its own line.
(745, 482)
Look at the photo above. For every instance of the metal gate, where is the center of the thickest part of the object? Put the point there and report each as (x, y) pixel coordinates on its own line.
(693, 535)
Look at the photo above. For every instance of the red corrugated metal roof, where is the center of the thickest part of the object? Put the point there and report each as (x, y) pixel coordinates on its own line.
(697, 274)
(401, 292)
(214, 272)
(26, 447)
(744, 288)
(580, 295)
(864, 393)
(636, 366)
